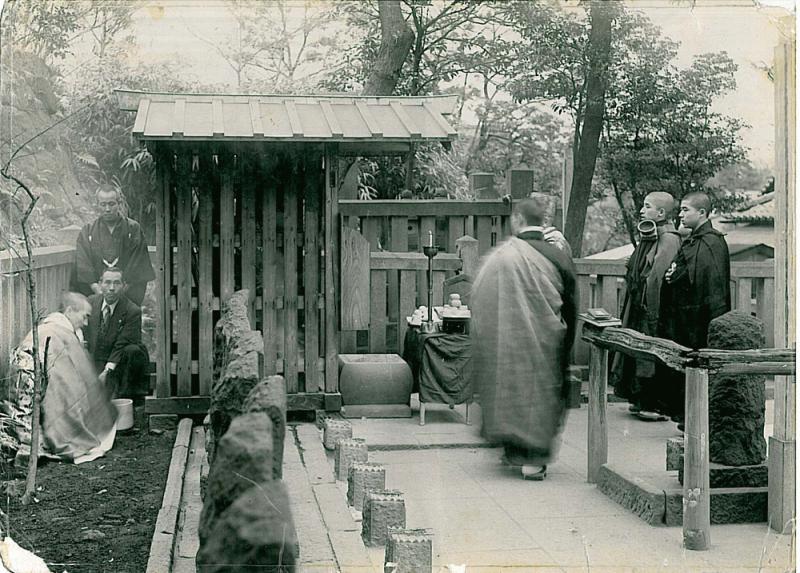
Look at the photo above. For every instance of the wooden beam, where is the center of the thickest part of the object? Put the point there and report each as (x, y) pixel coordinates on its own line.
(205, 293)
(290, 267)
(184, 272)
(638, 345)
(355, 257)
(331, 119)
(226, 228)
(385, 260)
(696, 471)
(314, 188)
(163, 271)
(597, 447)
(423, 208)
(331, 258)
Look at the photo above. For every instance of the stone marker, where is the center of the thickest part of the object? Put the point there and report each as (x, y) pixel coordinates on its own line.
(269, 396)
(335, 430)
(674, 454)
(382, 509)
(364, 477)
(348, 451)
(410, 550)
(244, 457)
(256, 533)
(736, 402)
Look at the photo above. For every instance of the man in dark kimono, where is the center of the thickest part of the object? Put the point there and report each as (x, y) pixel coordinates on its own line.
(523, 323)
(659, 242)
(114, 338)
(696, 290)
(112, 240)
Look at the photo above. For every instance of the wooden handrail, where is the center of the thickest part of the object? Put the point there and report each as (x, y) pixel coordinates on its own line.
(43, 257)
(423, 208)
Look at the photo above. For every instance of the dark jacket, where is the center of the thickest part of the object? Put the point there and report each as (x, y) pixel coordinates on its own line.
(125, 328)
(698, 290)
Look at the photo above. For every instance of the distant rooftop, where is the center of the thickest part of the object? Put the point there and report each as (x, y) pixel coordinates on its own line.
(758, 210)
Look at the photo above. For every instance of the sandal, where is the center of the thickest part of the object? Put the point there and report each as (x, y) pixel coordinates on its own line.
(534, 473)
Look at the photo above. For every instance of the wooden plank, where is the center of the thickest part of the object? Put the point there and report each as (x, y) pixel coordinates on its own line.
(313, 189)
(744, 294)
(378, 312)
(294, 118)
(455, 230)
(269, 261)
(371, 229)
(408, 299)
(597, 446)
(373, 126)
(767, 314)
(255, 116)
(411, 127)
(752, 269)
(177, 405)
(355, 259)
(467, 251)
(217, 119)
(331, 251)
(438, 287)
(609, 295)
(184, 272)
(164, 271)
(696, 487)
(399, 243)
(290, 230)
(248, 238)
(331, 119)
(769, 368)
(483, 230)
(423, 208)
(226, 230)
(205, 288)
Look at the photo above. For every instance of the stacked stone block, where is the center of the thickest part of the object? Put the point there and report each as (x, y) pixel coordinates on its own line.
(382, 509)
(409, 550)
(334, 431)
(364, 477)
(269, 397)
(347, 452)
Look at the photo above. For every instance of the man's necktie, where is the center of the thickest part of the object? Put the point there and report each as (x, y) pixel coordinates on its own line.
(106, 319)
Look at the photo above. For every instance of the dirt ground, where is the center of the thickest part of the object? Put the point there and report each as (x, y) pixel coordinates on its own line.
(97, 517)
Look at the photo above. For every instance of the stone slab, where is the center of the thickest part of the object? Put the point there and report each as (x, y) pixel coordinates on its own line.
(376, 411)
(635, 493)
(727, 476)
(313, 455)
(674, 454)
(728, 505)
(333, 507)
(350, 552)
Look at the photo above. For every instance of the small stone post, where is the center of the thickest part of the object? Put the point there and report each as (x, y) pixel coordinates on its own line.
(334, 431)
(482, 184)
(348, 451)
(364, 477)
(519, 182)
(410, 550)
(382, 510)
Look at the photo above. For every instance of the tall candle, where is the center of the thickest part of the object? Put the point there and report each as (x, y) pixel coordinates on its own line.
(430, 238)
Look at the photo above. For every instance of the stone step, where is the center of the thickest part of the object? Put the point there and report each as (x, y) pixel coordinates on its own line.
(656, 498)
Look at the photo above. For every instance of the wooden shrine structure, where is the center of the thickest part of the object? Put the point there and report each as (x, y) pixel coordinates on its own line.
(247, 196)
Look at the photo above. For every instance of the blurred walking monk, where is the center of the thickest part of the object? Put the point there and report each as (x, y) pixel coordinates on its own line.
(114, 338)
(659, 242)
(113, 240)
(696, 290)
(524, 310)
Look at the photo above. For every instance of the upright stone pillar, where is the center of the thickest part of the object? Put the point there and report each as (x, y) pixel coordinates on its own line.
(519, 182)
(482, 184)
(736, 402)
(362, 478)
(335, 431)
(410, 550)
(382, 510)
(347, 452)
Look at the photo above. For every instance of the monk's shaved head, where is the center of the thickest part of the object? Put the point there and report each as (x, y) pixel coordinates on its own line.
(532, 210)
(662, 200)
(74, 301)
(699, 201)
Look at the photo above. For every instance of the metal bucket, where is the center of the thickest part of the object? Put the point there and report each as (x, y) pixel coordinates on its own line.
(125, 413)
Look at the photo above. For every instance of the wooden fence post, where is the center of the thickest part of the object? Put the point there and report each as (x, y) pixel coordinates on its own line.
(696, 487)
(467, 250)
(598, 428)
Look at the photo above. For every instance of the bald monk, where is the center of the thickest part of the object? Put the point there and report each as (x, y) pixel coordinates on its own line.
(659, 243)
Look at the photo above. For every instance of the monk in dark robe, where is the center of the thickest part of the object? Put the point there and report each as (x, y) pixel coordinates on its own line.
(523, 324)
(659, 242)
(112, 240)
(696, 290)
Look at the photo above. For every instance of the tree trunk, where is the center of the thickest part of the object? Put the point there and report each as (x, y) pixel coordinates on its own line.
(601, 14)
(396, 40)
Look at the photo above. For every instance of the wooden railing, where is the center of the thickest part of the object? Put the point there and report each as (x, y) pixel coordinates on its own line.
(601, 283)
(696, 364)
(51, 270)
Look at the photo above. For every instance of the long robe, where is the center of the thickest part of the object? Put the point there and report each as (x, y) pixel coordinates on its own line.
(77, 416)
(523, 321)
(126, 248)
(633, 379)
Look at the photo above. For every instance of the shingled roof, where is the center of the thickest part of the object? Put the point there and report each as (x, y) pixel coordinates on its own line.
(319, 118)
(759, 210)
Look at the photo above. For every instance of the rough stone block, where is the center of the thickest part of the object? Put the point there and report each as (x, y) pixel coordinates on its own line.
(244, 457)
(410, 549)
(163, 421)
(728, 505)
(636, 494)
(269, 397)
(256, 533)
(382, 510)
(335, 430)
(361, 478)
(674, 454)
(733, 476)
(347, 452)
(229, 393)
(736, 402)
(234, 322)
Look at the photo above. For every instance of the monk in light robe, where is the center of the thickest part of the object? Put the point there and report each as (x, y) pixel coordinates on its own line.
(635, 379)
(523, 325)
(78, 420)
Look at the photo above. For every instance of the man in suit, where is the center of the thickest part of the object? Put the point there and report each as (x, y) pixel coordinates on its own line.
(114, 337)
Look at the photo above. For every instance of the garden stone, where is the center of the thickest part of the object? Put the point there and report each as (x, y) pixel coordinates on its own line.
(736, 402)
(256, 533)
(361, 478)
(269, 397)
(244, 457)
(233, 324)
(347, 452)
(335, 430)
(382, 510)
(410, 550)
